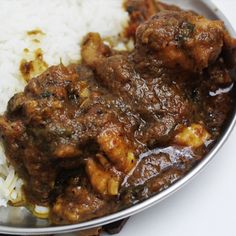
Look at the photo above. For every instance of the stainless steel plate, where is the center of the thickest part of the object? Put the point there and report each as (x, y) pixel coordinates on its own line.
(20, 221)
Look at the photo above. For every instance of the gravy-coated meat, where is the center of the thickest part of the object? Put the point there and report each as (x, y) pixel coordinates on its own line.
(95, 137)
(183, 39)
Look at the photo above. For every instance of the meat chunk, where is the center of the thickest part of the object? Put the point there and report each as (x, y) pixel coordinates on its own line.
(156, 162)
(210, 92)
(118, 73)
(139, 11)
(93, 49)
(183, 39)
(160, 102)
(76, 205)
(58, 120)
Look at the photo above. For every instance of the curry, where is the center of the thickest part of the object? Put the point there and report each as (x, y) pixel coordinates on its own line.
(96, 137)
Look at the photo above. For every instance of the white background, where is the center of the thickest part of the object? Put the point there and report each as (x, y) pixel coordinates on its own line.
(207, 205)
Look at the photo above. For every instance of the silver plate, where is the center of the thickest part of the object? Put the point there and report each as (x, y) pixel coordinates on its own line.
(19, 221)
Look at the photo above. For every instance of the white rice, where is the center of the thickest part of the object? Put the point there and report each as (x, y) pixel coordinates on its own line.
(64, 24)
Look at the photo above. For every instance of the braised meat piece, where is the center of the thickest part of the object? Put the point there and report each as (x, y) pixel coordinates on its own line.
(183, 39)
(214, 85)
(141, 10)
(96, 137)
(160, 102)
(61, 116)
(78, 202)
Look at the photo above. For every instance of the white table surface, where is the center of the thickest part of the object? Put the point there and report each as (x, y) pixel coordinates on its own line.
(207, 205)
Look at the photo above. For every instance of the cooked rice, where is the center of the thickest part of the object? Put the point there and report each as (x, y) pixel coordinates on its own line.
(63, 25)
